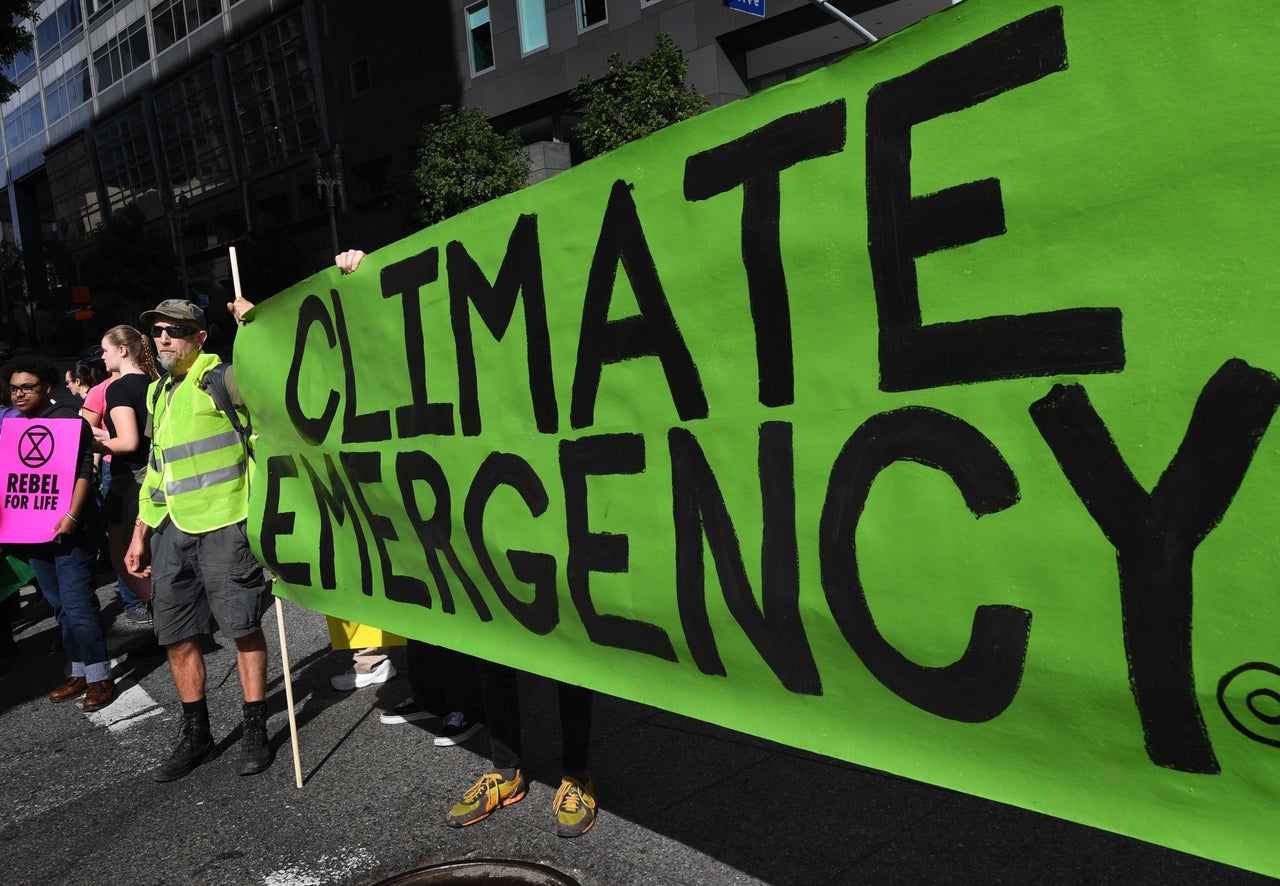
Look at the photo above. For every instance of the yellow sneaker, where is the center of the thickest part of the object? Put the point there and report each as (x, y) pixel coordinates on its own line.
(490, 793)
(575, 806)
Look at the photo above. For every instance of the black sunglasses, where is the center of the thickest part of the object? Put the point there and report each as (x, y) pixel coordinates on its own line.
(174, 331)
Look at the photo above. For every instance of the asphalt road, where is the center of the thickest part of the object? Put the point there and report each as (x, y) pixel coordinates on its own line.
(682, 802)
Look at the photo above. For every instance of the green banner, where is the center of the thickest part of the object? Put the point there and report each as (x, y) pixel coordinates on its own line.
(15, 575)
(914, 412)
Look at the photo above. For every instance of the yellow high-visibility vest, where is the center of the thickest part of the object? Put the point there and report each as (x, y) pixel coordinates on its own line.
(197, 474)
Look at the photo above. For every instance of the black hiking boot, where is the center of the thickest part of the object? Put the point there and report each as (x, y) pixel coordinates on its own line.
(255, 750)
(194, 744)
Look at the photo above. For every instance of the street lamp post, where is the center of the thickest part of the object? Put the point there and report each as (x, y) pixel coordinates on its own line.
(330, 189)
(177, 212)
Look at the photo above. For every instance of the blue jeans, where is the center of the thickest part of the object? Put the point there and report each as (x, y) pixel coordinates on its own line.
(127, 597)
(65, 572)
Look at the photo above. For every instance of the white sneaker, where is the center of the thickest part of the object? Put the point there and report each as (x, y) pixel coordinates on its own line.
(351, 680)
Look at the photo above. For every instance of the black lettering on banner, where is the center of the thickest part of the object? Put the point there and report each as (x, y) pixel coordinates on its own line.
(406, 278)
(902, 228)
(520, 273)
(983, 681)
(372, 427)
(1156, 535)
(276, 523)
(311, 430)
(541, 614)
(333, 500)
(436, 532)
(774, 626)
(1249, 699)
(363, 469)
(756, 161)
(605, 454)
(651, 333)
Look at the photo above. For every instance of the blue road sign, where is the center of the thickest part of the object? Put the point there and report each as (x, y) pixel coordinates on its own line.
(752, 7)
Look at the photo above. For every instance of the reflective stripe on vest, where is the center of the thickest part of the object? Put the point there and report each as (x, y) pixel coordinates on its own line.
(170, 454)
(205, 480)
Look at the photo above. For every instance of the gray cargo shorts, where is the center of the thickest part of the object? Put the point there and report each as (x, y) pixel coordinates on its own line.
(204, 583)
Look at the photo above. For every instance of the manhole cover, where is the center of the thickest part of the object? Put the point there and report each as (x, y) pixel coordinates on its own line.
(490, 872)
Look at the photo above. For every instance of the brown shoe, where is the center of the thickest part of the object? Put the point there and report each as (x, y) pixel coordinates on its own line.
(70, 689)
(101, 693)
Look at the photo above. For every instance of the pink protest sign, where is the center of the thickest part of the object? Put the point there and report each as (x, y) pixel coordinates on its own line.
(38, 469)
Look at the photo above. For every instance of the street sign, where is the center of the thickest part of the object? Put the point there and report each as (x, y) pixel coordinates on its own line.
(751, 7)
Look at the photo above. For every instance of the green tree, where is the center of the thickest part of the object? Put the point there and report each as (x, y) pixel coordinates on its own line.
(636, 99)
(14, 38)
(13, 293)
(462, 161)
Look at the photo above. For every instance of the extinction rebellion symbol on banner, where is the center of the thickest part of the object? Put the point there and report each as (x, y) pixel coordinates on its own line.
(36, 447)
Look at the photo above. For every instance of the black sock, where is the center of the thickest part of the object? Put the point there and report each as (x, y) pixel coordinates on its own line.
(197, 711)
(255, 708)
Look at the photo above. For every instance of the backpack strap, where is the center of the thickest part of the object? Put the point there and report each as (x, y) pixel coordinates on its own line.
(215, 385)
(159, 389)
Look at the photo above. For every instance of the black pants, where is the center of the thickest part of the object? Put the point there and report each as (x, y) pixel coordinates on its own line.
(443, 680)
(502, 713)
(8, 615)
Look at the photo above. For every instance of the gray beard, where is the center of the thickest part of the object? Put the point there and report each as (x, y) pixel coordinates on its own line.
(168, 361)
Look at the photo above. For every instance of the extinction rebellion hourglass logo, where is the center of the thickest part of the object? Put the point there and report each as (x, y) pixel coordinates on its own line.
(36, 447)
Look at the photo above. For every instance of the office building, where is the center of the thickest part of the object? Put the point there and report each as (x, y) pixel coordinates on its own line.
(273, 124)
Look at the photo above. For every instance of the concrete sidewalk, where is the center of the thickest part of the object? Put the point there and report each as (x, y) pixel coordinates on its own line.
(683, 802)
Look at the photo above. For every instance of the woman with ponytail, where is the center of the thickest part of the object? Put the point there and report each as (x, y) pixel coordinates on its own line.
(81, 380)
(126, 351)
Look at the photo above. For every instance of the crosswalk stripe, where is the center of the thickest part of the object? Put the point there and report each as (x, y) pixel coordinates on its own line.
(131, 705)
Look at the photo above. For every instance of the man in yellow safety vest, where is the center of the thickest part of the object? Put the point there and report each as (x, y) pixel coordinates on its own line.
(192, 511)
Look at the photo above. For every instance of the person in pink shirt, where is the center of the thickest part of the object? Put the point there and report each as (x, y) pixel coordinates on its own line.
(89, 381)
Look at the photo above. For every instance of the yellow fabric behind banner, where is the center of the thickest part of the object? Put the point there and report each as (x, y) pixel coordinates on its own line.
(350, 635)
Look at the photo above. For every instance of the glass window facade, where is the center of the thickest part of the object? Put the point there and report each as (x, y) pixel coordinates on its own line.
(275, 94)
(121, 54)
(99, 8)
(22, 67)
(124, 157)
(591, 13)
(173, 20)
(480, 38)
(191, 134)
(533, 25)
(60, 30)
(67, 93)
(75, 196)
(24, 122)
